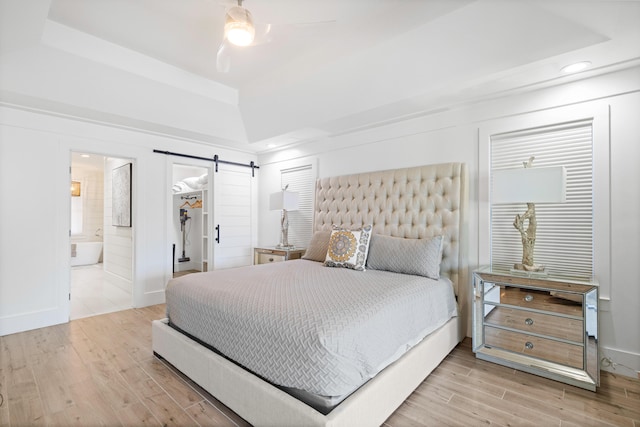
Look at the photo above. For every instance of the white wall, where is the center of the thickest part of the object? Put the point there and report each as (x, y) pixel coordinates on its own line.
(35, 157)
(34, 239)
(92, 200)
(453, 135)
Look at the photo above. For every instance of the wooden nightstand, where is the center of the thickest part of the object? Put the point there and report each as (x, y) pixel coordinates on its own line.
(546, 326)
(267, 255)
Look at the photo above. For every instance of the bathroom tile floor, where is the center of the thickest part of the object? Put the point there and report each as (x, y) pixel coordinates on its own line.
(92, 292)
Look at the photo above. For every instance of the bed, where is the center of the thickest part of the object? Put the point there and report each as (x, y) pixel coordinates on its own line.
(234, 356)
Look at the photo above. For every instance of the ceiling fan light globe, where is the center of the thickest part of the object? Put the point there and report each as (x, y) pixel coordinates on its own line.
(238, 26)
(240, 36)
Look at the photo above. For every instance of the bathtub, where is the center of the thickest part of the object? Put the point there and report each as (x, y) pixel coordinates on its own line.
(86, 252)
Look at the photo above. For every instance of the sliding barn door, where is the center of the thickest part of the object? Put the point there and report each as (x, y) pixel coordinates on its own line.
(234, 219)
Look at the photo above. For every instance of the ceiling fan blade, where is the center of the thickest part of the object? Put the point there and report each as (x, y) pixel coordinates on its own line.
(223, 58)
(263, 34)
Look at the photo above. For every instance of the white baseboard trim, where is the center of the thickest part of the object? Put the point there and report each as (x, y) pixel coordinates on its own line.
(124, 284)
(152, 298)
(32, 320)
(625, 362)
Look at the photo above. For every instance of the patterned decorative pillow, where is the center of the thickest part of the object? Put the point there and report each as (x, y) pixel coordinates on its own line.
(348, 248)
(420, 257)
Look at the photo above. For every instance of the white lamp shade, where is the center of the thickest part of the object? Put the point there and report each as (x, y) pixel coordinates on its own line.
(287, 200)
(529, 185)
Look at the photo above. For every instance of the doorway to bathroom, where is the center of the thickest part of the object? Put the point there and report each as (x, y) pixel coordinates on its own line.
(101, 240)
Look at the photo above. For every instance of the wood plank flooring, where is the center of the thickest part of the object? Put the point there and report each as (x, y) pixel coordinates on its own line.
(101, 371)
(184, 273)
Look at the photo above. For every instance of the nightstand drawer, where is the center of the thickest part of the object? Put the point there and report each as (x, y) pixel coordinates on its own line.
(540, 300)
(265, 258)
(541, 348)
(537, 323)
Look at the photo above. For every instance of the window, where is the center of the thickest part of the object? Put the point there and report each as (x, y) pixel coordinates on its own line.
(564, 240)
(301, 180)
(597, 115)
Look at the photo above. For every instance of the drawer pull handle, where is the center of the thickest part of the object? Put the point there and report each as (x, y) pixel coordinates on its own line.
(528, 345)
(529, 321)
(528, 298)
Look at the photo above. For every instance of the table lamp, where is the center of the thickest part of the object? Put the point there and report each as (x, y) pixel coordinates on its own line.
(286, 201)
(529, 185)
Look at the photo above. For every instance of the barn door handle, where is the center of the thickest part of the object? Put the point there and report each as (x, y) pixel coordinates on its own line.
(218, 233)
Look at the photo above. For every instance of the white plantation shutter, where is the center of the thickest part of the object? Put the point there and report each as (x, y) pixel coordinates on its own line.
(301, 180)
(564, 239)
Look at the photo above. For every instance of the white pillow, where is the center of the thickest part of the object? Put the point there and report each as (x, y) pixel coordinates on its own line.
(348, 248)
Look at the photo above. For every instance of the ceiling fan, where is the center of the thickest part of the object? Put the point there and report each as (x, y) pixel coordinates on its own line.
(239, 30)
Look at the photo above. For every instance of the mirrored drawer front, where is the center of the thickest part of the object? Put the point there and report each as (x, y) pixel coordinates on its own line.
(267, 258)
(559, 302)
(538, 323)
(554, 351)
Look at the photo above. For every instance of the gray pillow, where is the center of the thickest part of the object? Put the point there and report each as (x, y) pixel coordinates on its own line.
(420, 257)
(318, 246)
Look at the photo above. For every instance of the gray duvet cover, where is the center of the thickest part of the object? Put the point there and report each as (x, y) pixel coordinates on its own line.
(301, 325)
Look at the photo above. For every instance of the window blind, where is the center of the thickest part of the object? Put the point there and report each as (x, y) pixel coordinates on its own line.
(564, 239)
(300, 179)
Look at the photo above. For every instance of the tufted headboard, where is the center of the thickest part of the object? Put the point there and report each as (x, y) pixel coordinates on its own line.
(415, 202)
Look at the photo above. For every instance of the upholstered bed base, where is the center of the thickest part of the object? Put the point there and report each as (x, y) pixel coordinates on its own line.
(417, 202)
(263, 404)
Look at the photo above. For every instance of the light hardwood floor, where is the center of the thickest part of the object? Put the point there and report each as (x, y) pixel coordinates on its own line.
(101, 371)
(184, 273)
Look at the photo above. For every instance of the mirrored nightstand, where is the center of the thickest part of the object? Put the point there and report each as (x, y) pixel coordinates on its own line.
(545, 326)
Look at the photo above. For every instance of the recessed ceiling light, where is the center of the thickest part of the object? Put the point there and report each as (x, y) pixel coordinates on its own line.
(85, 156)
(574, 68)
